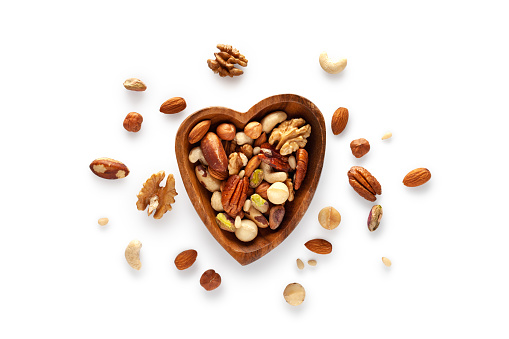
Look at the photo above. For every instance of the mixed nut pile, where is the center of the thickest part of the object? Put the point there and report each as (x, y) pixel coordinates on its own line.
(249, 172)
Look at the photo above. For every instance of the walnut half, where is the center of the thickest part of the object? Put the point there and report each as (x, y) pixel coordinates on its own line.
(290, 135)
(157, 198)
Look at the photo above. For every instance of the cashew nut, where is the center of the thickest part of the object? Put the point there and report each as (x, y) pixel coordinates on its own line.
(256, 150)
(271, 120)
(330, 66)
(132, 254)
(270, 176)
(241, 138)
(196, 154)
(215, 202)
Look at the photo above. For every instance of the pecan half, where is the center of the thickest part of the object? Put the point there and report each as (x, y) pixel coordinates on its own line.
(270, 156)
(234, 195)
(364, 183)
(302, 167)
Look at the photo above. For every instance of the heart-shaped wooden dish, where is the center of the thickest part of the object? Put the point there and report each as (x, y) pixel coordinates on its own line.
(296, 107)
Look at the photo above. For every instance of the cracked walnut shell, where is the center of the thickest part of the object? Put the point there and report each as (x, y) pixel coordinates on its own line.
(290, 135)
(157, 198)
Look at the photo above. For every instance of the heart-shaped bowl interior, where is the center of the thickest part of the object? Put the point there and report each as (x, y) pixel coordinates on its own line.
(296, 107)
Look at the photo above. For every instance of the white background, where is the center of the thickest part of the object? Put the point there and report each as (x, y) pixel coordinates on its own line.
(435, 75)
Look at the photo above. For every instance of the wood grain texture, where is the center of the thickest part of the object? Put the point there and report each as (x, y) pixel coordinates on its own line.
(296, 107)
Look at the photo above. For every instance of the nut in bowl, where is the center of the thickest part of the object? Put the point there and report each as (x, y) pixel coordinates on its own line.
(307, 132)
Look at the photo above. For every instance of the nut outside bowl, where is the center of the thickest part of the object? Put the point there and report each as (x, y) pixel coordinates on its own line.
(296, 107)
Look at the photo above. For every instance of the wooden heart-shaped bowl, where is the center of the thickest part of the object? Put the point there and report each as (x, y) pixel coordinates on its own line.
(296, 107)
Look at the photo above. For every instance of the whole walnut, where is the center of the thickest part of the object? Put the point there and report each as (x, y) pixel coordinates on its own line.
(132, 122)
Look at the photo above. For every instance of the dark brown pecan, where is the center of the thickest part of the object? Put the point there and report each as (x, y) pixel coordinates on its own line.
(270, 156)
(302, 167)
(234, 195)
(364, 183)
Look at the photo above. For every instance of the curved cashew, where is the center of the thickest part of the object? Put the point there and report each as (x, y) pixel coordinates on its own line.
(241, 138)
(331, 66)
(196, 154)
(271, 120)
(270, 176)
(132, 254)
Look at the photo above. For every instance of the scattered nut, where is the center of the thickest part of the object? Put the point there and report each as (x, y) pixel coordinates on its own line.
(103, 221)
(185, 259)
(198, 131)
(207, 180)
(300, 264)
(132, 254)
(247, 231)
(271, 120)
(359, 147)
(158, 199)
(339, 120)
(225, 222)
(278, 193)
(331, 66)
(107, 168)
(312, 262)
(386, 262)
(276, 216)
(210, 280)
(215, 202)
(319, 246)
(225, 61)
(132, 122)
(386, 136)
(196, 154)
(294, 294)
(329, 218)
(364, 183)
(134, 84)
(173, 105)
(253, 129)
(375, 215)
(417, 177)
(241, 138)
(226, 131)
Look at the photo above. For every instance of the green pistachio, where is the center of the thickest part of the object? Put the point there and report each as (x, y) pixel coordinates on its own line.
(259, 203)
(225, 222)
(256, 178)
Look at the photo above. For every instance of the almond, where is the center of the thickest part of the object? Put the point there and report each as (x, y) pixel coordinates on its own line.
(198, 131)
(107, 168)
(319, 246)
(185, 259)
(339, 120)
(173, 105)
(417, 177)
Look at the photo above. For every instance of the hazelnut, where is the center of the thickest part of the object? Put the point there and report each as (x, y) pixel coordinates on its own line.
(226, 131)
(253, 129)
(359, 147)
(132, 122)
(210, 280)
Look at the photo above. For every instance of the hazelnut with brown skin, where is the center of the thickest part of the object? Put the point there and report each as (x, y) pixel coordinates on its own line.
(359, 147)
(132, 122)
(226, 131)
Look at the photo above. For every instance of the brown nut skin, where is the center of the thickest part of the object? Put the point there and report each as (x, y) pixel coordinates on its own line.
(417, 177)
(359, 147)
(339, 120)
(215, 155)
(198, 131)
(253, 129)
(234, 195)
(226, 131)
(302, 167)
(364, 183)
(260, 140)
(210, 280)
(173, 105)
(277, 213)
(185, 259)
(262, 190)
(247, 149)
(253, 164)
(107, 168)
(319, 246)
(132, 122)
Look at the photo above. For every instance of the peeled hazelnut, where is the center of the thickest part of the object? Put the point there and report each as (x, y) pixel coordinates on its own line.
(210, 280)
(226, 131)
(359, 147)
(253, 129)
(278, 193)
(375, 215)
(132, 122)
(294, 294)
(247, 231)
